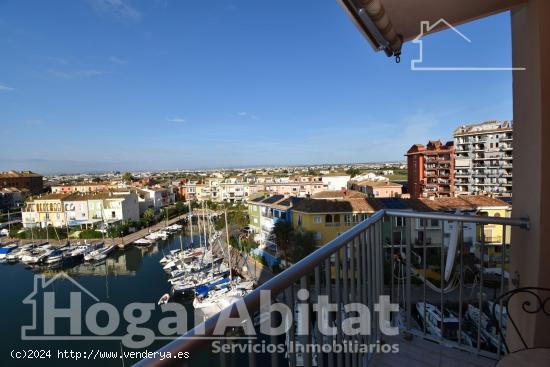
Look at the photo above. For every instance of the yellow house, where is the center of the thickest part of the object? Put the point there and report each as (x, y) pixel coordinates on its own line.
(45, 210)
(327, 219)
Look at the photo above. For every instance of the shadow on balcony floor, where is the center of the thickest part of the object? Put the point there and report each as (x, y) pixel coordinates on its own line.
(422, 353)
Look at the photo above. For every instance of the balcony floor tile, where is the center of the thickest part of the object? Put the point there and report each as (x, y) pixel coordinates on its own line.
(419, 352)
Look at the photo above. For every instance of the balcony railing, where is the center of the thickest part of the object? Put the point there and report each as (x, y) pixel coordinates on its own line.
(373, 258)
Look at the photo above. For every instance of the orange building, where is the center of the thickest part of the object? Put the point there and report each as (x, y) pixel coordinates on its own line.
(431, 170)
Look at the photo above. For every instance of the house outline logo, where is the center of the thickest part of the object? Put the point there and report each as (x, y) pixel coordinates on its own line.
(40, 282)
(426, 28)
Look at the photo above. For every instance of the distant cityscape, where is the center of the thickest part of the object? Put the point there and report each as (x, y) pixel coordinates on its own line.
(478, 162)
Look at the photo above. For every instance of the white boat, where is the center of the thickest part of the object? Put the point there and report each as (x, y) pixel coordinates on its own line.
(99, 254)
(487, 327)
(431, 317)
(6, 250)
(56, 256)
(218, 299)
(36, 257)
(143, 242)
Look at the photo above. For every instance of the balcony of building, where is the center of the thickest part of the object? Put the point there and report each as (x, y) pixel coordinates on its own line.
(406, 263)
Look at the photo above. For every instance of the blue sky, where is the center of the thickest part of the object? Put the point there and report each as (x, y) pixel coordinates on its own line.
(90, 85)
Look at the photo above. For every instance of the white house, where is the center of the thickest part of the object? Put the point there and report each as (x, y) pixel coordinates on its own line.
(336, 182)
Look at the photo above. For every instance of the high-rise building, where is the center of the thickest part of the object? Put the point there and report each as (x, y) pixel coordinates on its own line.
(483, 163)
(431, 169)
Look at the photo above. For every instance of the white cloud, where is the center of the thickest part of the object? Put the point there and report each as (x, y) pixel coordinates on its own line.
(247, 114)
(5, 88)
(116, 8)
(116, 60)
(178, 120)
(76, 74)
(58, 60)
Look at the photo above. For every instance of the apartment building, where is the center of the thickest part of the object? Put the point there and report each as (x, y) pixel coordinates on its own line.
(73, 209)
(79, 187)
(265, 211)
(484, 157)
(431, 169)
(24, 180)
(327, 219)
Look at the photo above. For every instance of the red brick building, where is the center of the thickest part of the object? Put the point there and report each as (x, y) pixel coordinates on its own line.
(431, 169)
(22, 180)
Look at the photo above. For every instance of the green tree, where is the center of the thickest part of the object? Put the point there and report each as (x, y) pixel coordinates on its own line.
(283, 236)
(353, 172)
(303, 244)
(127, 177)
(148, 216)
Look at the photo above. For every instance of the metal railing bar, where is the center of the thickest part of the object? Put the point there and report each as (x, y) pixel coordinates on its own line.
(337, 283)
(307, 354)
(289, 296)
(346, 296)
(480, 303)
(519, 222)
(328, 284)
(503, 260)
(408, 269)
(320, 360)
(442, 277)
(424, 268)
(461, 279)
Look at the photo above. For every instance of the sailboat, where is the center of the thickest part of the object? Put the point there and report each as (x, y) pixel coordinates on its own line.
(216, 300)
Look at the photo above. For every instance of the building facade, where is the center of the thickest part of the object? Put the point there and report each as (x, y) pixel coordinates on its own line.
(327, 219)
(77, 209)
(431, 170)
(484, 157)
(24, 180)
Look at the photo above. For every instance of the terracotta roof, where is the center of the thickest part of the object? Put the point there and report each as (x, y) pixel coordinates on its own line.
(339, 194)
(334, 206)
(459, 202)
(14, 174)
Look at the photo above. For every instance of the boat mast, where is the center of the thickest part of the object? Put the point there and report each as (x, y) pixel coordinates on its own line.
(191, 222)
(199, 228)
(228, 249)
(210, 242)
(204, 224)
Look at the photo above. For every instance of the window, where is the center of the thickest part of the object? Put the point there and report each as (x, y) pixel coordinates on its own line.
(317, 220)
(300, 220)
(255, 220)
(317, 236)
(328, 218)
(336, 218)
(399, 222)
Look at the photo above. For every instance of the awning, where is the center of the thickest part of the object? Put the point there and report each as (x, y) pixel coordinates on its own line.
(389, 23)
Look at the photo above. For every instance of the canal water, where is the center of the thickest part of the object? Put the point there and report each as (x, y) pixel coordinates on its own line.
(127, 276)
